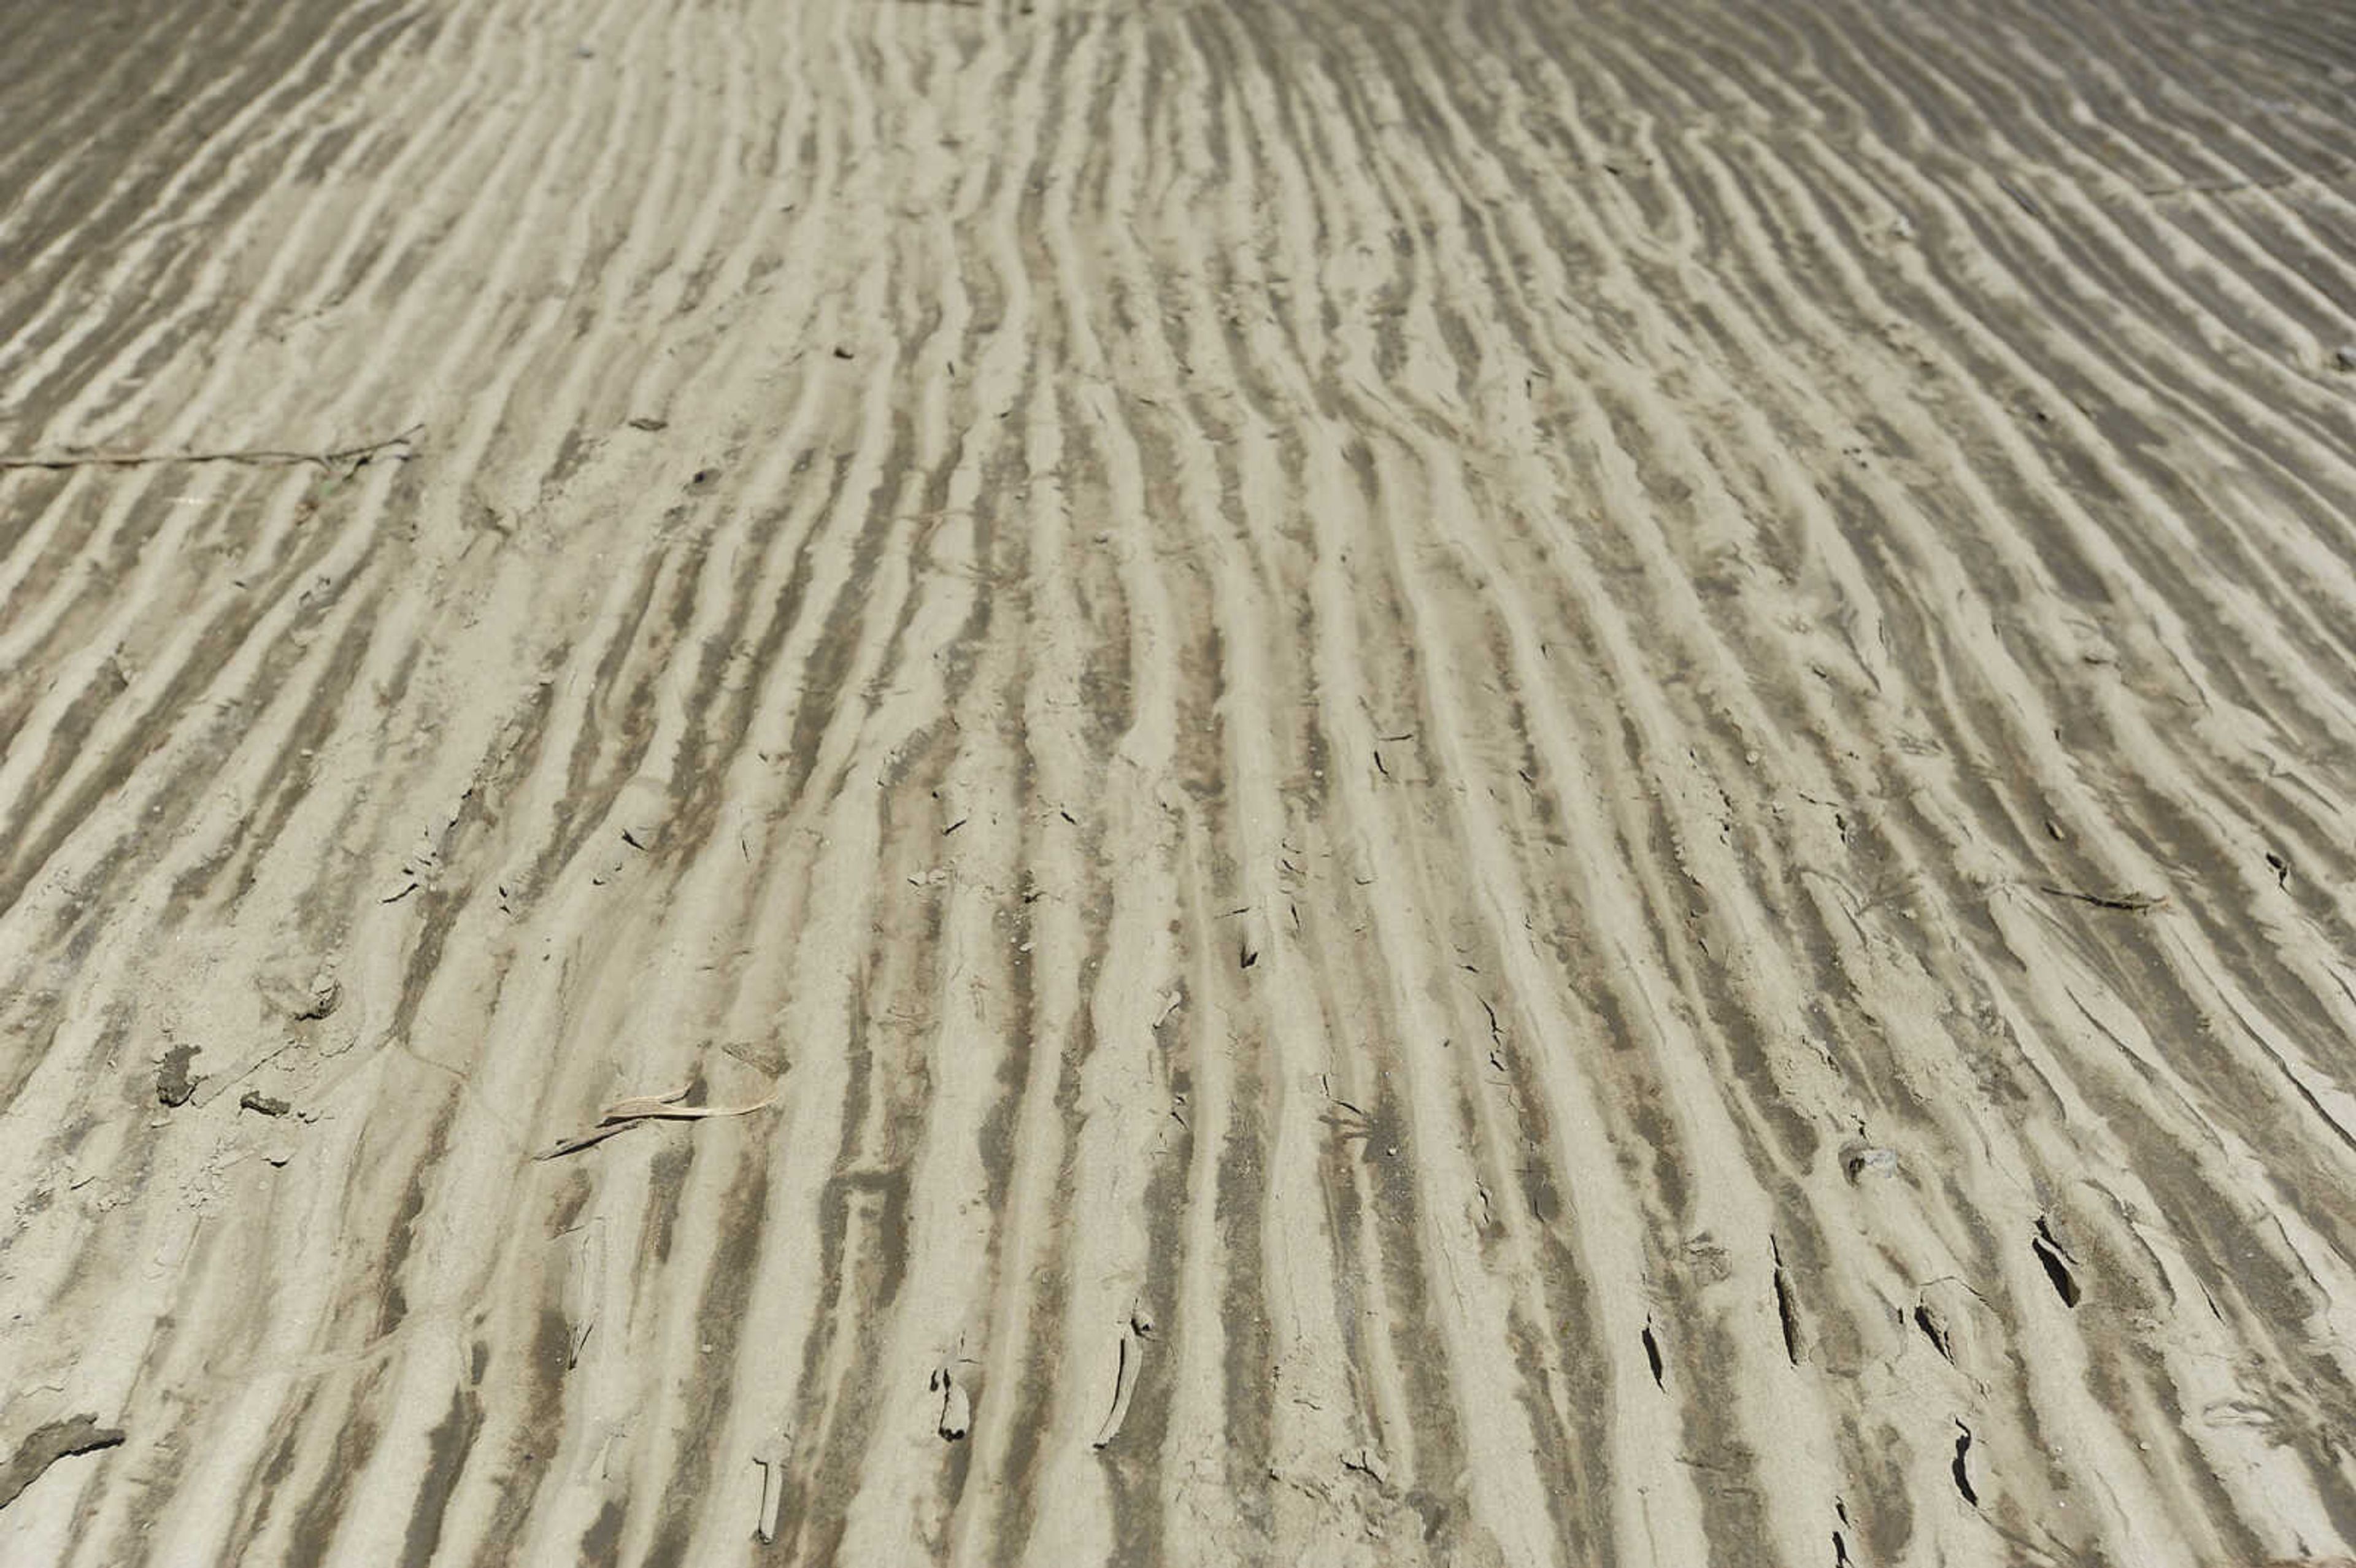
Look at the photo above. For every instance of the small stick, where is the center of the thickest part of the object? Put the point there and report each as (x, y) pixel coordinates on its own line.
(644, 1104)
(658, 1111)
(624, 1114)
(266, 458)
(595, 1135)
(214, 1086)
(2134, 903)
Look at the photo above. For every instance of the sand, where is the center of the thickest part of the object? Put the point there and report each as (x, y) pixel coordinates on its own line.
(1473, 783)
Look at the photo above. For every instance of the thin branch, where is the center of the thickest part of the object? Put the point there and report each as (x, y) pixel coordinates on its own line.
(624, 1114)
(2134, 903)
(351, 456)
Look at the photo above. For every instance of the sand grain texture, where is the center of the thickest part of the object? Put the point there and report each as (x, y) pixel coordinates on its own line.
(1503, 783)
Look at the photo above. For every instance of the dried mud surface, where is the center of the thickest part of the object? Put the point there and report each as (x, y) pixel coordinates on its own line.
(1471, 783)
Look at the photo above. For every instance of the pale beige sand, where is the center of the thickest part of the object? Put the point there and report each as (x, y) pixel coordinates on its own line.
(1384, 719)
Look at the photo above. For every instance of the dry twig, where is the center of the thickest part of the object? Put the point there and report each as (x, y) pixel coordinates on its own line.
(348, 456)
(2134, 903)
(623, 1114)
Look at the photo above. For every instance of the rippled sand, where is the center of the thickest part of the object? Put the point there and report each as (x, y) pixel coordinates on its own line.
(1480, 783)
